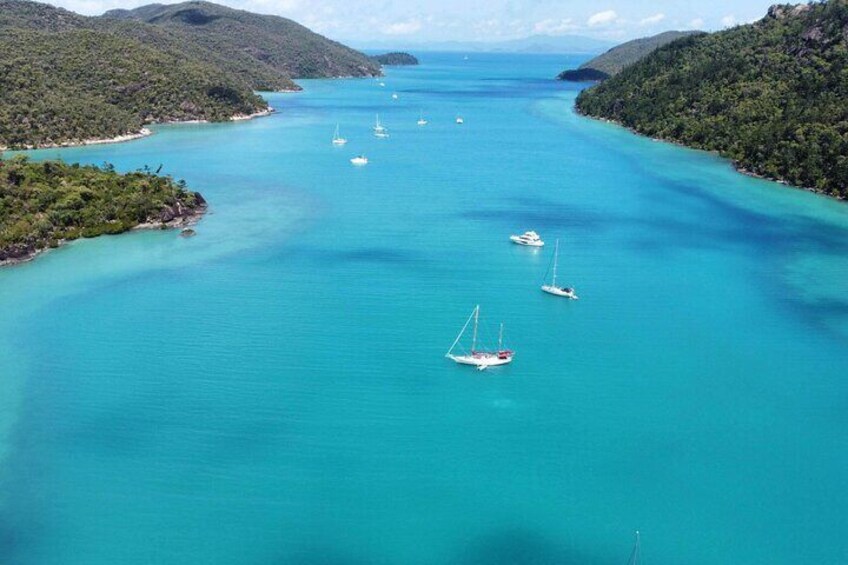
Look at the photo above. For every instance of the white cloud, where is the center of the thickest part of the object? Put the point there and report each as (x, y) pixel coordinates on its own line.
(652, 20)
(697, 23)
(407, 27)
(554, 27)
(602, 18)
(728, 21)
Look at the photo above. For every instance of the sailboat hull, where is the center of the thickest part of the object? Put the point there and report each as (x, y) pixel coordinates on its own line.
(562, 292)
(482, 360)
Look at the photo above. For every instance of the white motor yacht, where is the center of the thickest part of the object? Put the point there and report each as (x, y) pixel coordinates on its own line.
(530, 239)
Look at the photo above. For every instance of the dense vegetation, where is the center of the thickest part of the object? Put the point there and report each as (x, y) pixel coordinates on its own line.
(395, 58)
(613, 61)
(260, 45)
(42, 204)
(772, 96)
(65, 78)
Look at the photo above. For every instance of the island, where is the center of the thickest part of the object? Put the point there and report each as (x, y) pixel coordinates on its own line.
(45, 204)
(613, 61)
(772, 96)
(68, 79)
(395, 58)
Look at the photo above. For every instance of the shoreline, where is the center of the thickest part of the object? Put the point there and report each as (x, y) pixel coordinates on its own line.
(140, 134)
(738, 167)
(178, 222)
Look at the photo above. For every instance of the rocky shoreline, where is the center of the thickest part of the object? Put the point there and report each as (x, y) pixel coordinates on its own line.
(178, 216)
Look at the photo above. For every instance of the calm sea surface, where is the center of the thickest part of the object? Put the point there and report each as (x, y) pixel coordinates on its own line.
(274, 389)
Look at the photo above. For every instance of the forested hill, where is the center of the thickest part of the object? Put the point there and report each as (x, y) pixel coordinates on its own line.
(772, 95)
(613, 61)
(67, 78)
(271, 42)
(395, 58)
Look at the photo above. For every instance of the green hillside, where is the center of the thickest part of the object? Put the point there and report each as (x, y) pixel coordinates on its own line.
(75, 85)
(772, 96)
(271, 42)
(395, 58)
(613, 61)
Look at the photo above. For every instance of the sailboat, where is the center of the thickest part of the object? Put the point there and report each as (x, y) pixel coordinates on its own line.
(379, 129)
(635, 555)
(480, 358)
(552, 288)
(359, 160)
(337, 139)
(421, 120)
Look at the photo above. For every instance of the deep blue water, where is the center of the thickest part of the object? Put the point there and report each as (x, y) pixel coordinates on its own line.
(274, 389)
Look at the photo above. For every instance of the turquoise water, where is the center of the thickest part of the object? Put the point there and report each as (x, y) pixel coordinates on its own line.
(274, 389)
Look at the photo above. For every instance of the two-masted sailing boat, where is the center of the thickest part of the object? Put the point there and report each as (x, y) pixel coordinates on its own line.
(337, 139)
(563, 291)
(480, 358)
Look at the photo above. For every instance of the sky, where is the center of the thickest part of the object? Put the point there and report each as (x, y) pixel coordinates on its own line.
(411, 21)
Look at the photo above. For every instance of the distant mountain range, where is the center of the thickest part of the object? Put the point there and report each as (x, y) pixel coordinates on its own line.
(538, 44)
(66, 78)
(613, 61)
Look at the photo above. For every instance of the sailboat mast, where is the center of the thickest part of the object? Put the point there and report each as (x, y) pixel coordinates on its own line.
(500, 338)
(556, 257)
(635, 557)
(476, 319)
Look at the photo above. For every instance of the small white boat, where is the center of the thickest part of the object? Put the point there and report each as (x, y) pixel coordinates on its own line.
(380, 130)
(459, 120)
(359, 160)
(480, 358)
(394, 96)
(421, 120)
(563, 291)
(337, 139)
(382, 83)
(530, 239)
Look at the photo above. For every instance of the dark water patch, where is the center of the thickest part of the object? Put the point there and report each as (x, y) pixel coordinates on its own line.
(523, 546)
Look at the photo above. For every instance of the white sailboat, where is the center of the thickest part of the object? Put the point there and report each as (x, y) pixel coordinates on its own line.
(480, 358)
(337, 139)
(459, 120)
(379, 129)
(421, 120)
(359, 160)
(563, 291)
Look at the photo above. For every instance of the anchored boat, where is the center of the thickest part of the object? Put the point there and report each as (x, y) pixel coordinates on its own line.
(480, 358)
(563, 291)
(529, 238)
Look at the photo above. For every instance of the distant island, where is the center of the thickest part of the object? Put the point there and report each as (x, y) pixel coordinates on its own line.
(67, 79)
(45, 204)
(613, 61)
(395, 58)
(772, 95)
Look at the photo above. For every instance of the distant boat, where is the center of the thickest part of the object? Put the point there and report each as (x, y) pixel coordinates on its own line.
(636, 554)
(394, 96)
(421, 120)
(379, 129)
(359, 160)
(459, 120)
(480, 358)
(382, 84)
(528, 238)
(552, 288)
(337, 139)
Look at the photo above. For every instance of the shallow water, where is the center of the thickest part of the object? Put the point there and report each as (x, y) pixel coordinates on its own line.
(274, 389)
